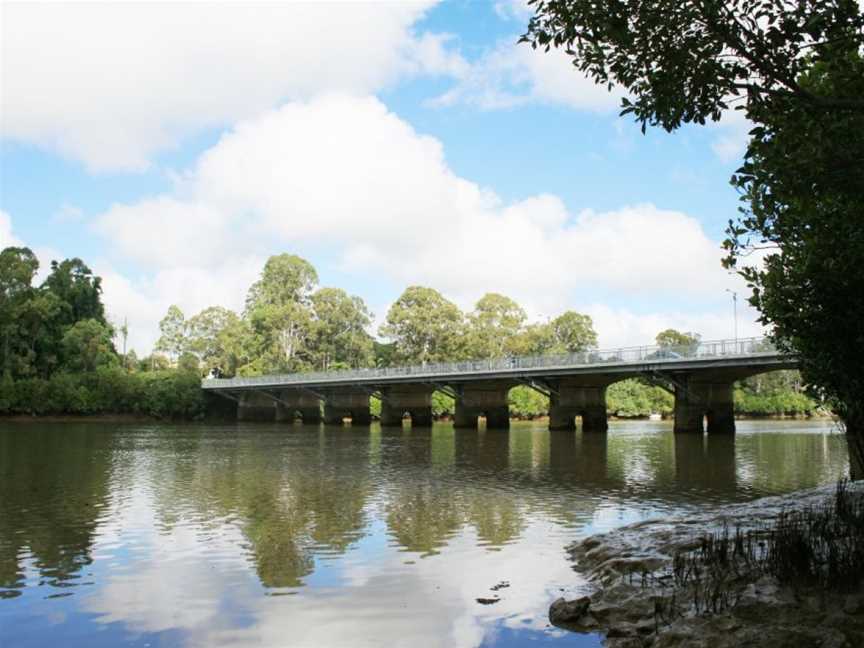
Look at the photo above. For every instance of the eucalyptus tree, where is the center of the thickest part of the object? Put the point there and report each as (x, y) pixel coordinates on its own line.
(673, 338)
(424, 327)
(494, 326)
(573, 332)
(339, 331)
(172, 329)
(209, 337)
(278, 308)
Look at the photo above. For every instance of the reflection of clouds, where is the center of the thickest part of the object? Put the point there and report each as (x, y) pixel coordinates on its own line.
(200, 584)
(159, 581)
(429, 603)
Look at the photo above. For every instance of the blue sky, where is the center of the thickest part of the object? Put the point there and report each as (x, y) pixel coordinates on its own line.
(175, 148)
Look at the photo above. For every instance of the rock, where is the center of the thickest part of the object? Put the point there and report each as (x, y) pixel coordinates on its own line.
(567, 612)
(500, 585)
(487, 601)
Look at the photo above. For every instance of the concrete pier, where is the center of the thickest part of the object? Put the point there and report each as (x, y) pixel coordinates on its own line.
(570, 399)
(414, 400)
(489, 399)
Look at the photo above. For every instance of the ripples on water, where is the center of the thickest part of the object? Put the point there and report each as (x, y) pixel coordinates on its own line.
(267, 535)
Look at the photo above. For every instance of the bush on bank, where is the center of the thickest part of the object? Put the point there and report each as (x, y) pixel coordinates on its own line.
(785, 403)
(166, 394)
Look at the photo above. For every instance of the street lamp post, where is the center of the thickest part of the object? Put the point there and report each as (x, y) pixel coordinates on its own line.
(734, 312)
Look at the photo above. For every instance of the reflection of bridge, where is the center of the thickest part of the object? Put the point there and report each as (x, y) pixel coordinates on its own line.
(700, 376)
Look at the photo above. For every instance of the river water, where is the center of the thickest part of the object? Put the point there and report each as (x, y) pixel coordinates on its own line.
(290, 535)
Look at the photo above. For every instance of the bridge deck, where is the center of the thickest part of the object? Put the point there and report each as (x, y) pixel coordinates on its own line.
(755, 353)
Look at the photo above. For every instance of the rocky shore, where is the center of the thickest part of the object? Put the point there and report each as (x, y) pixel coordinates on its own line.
(629, 596)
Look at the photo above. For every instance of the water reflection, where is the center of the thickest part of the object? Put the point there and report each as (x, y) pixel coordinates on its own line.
(53, 489)
(189, 534)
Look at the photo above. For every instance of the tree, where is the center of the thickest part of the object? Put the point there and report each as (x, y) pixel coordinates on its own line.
(494, 326)
(78, 289)
(339, 336)
(189, 363)
(209, 337)
(691, 63)
(278, 309)
(123, 330)
(87, 345)
(808, 287)
(173, 333)
(424, 326)
(18, 266)
(286, 279)
(573, 332)
(672, 338)
(536, 339)
(796, 70)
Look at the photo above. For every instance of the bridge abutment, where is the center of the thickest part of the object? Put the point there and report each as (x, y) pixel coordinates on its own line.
(483, 399)
(568, 401)
(697, 400)
(416, 400)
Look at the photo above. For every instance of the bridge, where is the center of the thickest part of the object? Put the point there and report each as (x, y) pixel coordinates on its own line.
(700, 376)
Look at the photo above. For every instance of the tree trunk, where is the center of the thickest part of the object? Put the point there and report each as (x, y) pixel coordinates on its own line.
(855, 441)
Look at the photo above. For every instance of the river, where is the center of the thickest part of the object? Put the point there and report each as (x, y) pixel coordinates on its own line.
(291, 535)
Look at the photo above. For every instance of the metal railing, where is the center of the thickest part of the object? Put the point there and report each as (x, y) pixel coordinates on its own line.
(742, 347)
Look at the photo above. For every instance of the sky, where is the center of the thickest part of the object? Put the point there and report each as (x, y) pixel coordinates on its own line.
(174, 148)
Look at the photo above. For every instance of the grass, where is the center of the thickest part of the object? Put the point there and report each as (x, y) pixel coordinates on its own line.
(818, 548)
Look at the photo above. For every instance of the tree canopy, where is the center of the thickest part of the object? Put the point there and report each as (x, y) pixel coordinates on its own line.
(424, 327)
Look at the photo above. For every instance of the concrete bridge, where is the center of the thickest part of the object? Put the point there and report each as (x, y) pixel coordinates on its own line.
(700, 376)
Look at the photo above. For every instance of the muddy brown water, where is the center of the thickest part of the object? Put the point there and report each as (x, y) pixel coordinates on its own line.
(289, 535)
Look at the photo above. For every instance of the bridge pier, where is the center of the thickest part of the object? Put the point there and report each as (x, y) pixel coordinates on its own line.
(339, 404)
(292, 402)
(416, 400)
(254, 406)
(570, 400)
(696, 400)
(483, 399)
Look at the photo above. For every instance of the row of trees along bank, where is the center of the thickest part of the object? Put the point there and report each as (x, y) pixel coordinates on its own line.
(59, 354)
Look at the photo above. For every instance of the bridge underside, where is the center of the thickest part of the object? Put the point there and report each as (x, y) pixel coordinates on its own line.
(701, 396)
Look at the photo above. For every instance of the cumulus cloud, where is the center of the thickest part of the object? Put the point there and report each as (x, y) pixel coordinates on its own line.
(113, 84)
(7, 237)
(514, 74)
(345, 174)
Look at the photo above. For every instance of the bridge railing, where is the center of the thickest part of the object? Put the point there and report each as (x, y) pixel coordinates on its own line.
(623, 355)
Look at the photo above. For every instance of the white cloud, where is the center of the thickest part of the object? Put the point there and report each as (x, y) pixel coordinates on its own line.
(345, 174)
(514, 74)
(733, 133)
(113, 84)
(518, 10)
(7, 237)
(619, 327)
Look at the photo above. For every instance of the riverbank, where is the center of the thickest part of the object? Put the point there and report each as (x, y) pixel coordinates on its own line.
(634, 592)
(83, 418)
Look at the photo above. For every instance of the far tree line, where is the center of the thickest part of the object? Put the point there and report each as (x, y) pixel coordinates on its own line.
(289, 324)
(60, 353)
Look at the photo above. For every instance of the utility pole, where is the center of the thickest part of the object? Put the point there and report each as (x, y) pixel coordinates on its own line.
(734, 312)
